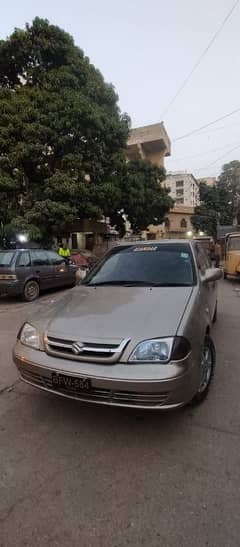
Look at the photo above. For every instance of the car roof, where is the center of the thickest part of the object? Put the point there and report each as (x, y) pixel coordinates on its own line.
(23, 249)
(233, 234)
(154, 242)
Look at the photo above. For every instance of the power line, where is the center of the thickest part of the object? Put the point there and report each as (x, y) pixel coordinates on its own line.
(206, 153)
(207, 132)
(218, 159)
(206, 125)
(195, 66)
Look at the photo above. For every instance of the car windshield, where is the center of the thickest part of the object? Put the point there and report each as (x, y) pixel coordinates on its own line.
(146, 265)
(6, 258)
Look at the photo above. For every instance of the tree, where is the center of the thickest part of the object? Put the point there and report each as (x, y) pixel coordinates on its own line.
(142, 197)
(62, 136)
(220, 204)
(229, 188)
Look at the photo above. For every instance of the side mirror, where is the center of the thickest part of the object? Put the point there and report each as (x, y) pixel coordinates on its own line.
(212, 274)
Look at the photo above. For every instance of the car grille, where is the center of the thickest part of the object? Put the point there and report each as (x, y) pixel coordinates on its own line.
(97, 395)
(85, 351)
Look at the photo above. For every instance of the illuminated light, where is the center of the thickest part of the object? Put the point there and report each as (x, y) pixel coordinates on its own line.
(22, 238)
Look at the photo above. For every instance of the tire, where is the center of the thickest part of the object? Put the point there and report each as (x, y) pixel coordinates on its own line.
(31, 291)
(224, 275)
(207, 370)
(215, 314)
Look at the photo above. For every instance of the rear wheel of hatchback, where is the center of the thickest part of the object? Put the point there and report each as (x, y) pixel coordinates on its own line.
(31, 290)
(207, 366)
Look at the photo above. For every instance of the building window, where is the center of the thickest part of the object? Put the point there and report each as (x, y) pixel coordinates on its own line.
(179, 193)
(151, 236)
(74, 241)
(183, 223)
(179, 201)
(179, 183)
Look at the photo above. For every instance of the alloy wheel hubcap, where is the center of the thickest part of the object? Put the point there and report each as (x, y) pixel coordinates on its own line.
(206, 368)
(31, 290)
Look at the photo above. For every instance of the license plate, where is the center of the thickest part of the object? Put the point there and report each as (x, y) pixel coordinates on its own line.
(72, 382)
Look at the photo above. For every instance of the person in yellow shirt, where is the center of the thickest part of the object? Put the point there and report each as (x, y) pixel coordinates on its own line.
(64, 251)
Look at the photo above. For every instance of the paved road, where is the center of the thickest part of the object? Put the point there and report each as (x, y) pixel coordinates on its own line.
(84, 476)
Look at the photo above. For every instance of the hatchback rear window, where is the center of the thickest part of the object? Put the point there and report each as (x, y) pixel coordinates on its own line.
(151, 265)
(6, 258)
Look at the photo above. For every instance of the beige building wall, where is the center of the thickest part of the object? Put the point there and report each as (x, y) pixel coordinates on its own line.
(177, 225)
(150, 142)
(178, 222)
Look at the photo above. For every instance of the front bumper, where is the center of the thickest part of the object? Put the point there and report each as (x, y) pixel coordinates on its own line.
(151, 386)
(11, 288)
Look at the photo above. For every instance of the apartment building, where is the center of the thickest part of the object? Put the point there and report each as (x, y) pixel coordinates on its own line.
(184, 188)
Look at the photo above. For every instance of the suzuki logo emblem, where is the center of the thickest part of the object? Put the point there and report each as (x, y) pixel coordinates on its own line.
(77, 347)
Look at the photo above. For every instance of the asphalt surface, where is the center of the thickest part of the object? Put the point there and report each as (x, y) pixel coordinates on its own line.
(78, 475)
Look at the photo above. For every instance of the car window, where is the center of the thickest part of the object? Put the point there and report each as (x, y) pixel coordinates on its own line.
(6, 258)
(54, 258)
(162, 265)
(39, 258)
(234, 243)
(202, 259)
(24, 259)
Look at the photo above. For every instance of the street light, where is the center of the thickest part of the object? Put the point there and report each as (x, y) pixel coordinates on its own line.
(22, 238)
(189, 233)
(201, 233)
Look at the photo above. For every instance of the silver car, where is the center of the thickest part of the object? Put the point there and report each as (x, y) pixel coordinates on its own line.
(135, 333)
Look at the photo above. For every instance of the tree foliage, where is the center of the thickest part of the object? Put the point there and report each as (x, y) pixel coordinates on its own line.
(62, 136)
(220, 204)
(142, 197)
(63, 139)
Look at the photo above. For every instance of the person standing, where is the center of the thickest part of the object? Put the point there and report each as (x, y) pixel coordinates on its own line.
(64, 251)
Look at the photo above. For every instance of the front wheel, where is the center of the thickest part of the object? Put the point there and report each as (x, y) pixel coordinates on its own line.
(207, 366)
(31, 291)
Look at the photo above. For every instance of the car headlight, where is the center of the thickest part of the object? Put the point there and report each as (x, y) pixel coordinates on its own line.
(29, 336)
(161, 350)
(156, 350)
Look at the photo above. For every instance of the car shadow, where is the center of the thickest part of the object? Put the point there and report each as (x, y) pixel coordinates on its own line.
(104, 420)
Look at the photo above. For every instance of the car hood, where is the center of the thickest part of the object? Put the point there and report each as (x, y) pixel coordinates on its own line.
(116, 313)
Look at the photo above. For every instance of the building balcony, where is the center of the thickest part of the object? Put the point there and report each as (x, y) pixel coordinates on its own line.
(150, 142)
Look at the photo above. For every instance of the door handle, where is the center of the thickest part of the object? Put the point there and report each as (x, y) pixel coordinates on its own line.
(38, 271)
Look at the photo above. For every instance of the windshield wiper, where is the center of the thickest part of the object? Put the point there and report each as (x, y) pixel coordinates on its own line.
(132, 283)
(173, 284)
(125, 283)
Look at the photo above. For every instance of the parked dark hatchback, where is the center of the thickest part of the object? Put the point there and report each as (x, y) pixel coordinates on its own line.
(27, 272)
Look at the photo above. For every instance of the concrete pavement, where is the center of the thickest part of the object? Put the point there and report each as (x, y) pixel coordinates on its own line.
(78, 475)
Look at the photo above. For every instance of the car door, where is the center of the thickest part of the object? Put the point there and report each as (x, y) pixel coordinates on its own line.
(23, 266)
(42, 269)
(209, 290)
(62, 272)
